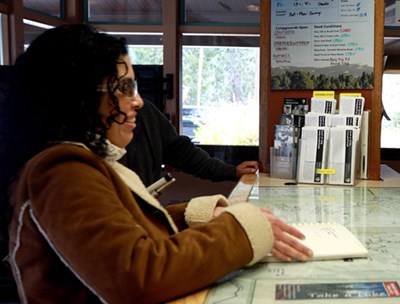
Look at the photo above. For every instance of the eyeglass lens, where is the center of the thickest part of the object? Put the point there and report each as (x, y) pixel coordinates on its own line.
(128, 87)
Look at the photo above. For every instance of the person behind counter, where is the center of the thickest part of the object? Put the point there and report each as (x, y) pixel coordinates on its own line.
(83, 228)
(156, 142)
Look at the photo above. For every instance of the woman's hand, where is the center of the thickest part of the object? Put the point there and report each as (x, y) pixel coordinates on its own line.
(286, 247)
(218, 210)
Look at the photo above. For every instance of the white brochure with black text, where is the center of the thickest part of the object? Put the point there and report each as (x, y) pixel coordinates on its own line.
(317, 119)
(323, 105)
(313, 153)
(351, 105)
(342, 155)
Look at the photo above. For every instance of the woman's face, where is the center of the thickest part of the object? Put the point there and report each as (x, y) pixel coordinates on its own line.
(121, 134)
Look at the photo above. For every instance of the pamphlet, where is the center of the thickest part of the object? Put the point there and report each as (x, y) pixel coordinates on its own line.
(346, 120)
(313, 146)
(362, 164)
(351, 105)
(284, 139)
(296, 106)
(342, 155)
(318, 119)
(323, 105)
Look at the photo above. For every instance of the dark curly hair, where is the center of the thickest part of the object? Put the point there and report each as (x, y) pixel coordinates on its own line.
(51, 95)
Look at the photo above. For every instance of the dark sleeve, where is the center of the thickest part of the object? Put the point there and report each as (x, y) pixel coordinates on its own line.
(182, 154)
(144, 152)
(179, 152)
(157, 143)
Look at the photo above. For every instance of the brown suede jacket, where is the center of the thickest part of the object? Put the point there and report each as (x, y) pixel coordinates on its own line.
(85, 230)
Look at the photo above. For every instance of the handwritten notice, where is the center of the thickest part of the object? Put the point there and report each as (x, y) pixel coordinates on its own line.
(328, 38)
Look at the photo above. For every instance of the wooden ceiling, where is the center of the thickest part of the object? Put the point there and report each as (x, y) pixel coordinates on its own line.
(115, 7)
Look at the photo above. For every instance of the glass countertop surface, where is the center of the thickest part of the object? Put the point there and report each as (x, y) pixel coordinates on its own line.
(371, 213)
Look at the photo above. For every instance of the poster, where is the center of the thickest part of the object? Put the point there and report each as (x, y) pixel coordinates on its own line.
(324, 44)
(336, 291)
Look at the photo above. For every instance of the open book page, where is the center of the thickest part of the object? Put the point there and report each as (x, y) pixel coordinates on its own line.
(328, 241)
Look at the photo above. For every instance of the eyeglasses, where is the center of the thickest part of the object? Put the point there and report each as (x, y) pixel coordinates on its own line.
(127, 87)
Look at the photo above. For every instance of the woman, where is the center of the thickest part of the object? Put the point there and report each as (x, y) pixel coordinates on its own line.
(83, 227)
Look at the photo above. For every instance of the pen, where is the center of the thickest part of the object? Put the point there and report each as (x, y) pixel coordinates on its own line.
(159, 186)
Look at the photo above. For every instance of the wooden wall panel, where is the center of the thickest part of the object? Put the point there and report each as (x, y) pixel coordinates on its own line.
(271, 101)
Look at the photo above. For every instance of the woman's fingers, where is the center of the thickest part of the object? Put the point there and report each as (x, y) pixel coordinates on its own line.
(290, 246)
(266, 210)
(280, 255)
(287, 246)
(293, 231)
(287, 252)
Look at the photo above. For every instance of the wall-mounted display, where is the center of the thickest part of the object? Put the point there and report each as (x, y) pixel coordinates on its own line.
(322, 44)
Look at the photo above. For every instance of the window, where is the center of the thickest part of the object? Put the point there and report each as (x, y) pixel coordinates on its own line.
(220, 73)
(220, 89)
(49, 7)
(122, 11)
(390, 135)
(32, 29)
(146, 54)
(143, 48)
(3, 37)
(392, 13)
(222, 11)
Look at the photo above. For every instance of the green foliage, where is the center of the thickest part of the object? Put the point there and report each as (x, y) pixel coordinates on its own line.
(395, 119)
(232, 124)
(304, 80)
(146, 55)
(223, 81)
(300, 80)
(215, 75)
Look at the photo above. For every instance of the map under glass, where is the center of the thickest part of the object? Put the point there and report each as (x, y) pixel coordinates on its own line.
(372, 214)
